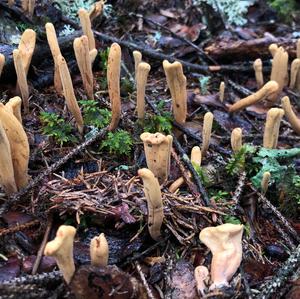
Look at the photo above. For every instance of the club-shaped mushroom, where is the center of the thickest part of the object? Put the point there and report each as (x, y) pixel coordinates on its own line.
(154, 202)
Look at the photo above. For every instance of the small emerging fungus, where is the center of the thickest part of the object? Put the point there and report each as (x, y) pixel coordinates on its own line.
(279, 71)
(201, 276)
(7, 179)
(177, 85)
(96, 10)
(267, 91)
(196, 157)
(61, 248)
(158, 154)
(221, 92)
(257, 65)
(271, 133)
(26, 48)
(68, 92)
(22, 80)
(206, 131)
(290, 114)
(81, 48)
(14, 106)
(87, 30)
(236, 139)
(141, 81)
(19, 146)
(265, 182)
(113, 79)
(137, 60)
(295, 66)
(225, 243)
(99, 251)
(31, 6)
(2, 62)
(55, 50)
(154, 202)
(273, 48)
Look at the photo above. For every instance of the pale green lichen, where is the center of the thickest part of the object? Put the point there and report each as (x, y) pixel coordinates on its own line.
(233, 10)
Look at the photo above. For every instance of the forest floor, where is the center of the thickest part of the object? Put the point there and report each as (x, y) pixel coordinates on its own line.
(91, 182)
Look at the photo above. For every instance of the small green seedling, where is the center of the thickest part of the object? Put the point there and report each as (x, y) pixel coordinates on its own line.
(118, 142)
(56, 127)
(93, 115)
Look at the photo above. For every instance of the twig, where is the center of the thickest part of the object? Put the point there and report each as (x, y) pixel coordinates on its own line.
(282, 276)
(42, 247)
(144, 281)
(194, 173)
(19, 227)
(283, 220)
(285, 236)
(17, 197)
(188, 42)
(239, 189)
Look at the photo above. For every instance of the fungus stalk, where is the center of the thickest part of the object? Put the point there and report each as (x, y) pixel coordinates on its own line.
(279, 71)
(206, 131)
(290, 114)
(298, 48)
(267, 91)
(68, 92)
(7, 179)
(137, 60)
(158, 154)
(225, 243)
(265, 182)
(154, 202)
(257, 65)
(61, 248)
(141, 81)
(22, 80)
(19, 146)
(81, 48)
(2, 62)
(31, 6)
(196, 157)
(271, 132)
(221, 92)
(14, 106)
(113, 79)
(177, 85)
(55, 50)
(295, 77)
(236, 139)
(87, 30)
(99, 251)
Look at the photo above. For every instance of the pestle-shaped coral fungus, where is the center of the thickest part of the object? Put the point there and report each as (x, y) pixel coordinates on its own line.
(158, 152)
(81, 49)
(141, 81)
(206, 131)
(225, 243)
(177, 85)
(14, 106)
(236, 139)
(7, 179)
(154, 202)
(18, 145)
(2, 62)
(290, 114)
(113, 79)
(99, 251)
(257, 65)
(271, 132)
(55, 50)
(269, 90)
(69, 92)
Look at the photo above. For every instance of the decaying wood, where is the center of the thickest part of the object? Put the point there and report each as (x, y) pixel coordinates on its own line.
(249, 49)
